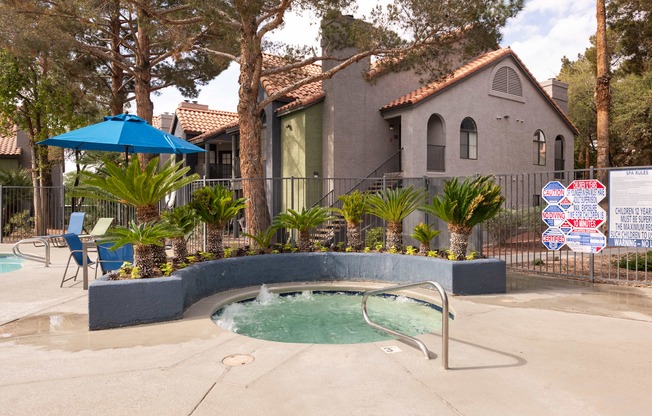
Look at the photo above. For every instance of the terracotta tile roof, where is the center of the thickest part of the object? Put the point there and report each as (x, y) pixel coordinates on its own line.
(8, 146)
(301, 103)
(200, 120)
(460, 73)
(466, 71)
(156, 122)
(210, 133)
(276, 82)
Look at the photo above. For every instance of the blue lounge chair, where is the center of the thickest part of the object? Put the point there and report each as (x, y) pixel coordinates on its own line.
(75, 226)
(75, 244)
(110, 260)
(101, 227)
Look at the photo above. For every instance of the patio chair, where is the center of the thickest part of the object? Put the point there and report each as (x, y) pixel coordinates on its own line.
(109, 260)
(75, 226)
(75, 245)
(100, 228)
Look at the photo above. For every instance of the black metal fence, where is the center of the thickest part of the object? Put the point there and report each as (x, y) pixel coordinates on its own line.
(514, 235)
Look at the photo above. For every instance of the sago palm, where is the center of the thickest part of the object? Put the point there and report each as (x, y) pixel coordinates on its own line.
(216, 206)
(184, 219)
(354, 206)
(303, 222)
(144, 236)
(465, 204)
(140, 188)
(424, 234)
(393, 206)
(262, 239)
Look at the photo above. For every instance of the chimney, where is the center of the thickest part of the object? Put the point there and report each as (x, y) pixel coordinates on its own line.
(166, 121)
(558, 91)
(193, 105)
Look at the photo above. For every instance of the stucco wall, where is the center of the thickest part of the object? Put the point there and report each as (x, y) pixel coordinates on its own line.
(357, 138)
(505, 144)
(301, 154)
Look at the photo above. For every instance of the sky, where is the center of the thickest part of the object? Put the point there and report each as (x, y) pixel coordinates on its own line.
(543, 33)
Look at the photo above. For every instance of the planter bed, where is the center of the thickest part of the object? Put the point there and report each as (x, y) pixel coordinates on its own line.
(115, 303)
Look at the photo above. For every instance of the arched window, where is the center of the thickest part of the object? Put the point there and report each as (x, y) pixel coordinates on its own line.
(506, 80)
(539, 148)
(468, 139)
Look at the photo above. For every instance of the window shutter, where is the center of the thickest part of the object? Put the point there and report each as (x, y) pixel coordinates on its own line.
(506, 80)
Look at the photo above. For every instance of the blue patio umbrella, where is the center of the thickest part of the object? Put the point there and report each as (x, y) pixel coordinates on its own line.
(122, 133)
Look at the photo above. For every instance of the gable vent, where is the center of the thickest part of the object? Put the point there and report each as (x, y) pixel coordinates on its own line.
(507, 81)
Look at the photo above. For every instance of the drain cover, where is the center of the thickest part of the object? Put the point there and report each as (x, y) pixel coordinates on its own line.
(237, 359)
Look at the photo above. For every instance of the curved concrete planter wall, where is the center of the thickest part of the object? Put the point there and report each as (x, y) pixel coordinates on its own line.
(130, 302)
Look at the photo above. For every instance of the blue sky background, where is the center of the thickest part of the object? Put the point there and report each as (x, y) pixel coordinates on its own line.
(544, 32)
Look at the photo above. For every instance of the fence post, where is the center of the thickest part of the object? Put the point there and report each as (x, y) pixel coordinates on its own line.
(592, 258)
(1, 210)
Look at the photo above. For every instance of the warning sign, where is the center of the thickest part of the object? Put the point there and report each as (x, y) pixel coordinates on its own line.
(553, 192)
(574, 215)
(553, 239)
(630, 208)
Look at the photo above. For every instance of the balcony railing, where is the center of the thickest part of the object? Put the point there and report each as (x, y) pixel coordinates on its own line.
(216, 171)
(436, 158)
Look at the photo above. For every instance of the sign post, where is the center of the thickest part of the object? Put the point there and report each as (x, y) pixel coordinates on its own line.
(630, 208)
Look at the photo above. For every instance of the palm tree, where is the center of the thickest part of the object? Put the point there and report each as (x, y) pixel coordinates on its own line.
(216, 206)
(354, 206)
(393, 206)
(463, 206)
(144, 237)
(140, 188)
(185, 219)
(424, 234)
(303, 222)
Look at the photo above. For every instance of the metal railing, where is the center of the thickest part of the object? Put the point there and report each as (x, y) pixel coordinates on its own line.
(436, 158)
(418, 342)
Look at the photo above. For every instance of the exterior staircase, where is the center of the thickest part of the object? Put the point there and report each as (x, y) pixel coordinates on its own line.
(376, 181)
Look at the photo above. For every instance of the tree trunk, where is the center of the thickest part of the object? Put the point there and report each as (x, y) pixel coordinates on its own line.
(602, 91)
(354, 236)
(179, 249)
(459, 245)
(143, 260)
(251, 163)
(214, 240)
(143, 78)
(304, 240)
(394, 235)
(424, 248)
(150, 213)
(116, 105)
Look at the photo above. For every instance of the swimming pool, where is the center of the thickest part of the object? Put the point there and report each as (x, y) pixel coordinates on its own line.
(326, 317)
(10, 263)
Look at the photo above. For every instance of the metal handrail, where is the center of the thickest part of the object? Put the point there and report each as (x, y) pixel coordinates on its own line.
(419, 343)
(34, 257)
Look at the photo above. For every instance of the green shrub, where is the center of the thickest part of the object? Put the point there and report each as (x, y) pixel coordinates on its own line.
(636, 261)
(374, 236)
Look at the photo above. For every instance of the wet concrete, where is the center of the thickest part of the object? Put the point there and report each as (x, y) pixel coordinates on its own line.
(576, 296)
(546, 347)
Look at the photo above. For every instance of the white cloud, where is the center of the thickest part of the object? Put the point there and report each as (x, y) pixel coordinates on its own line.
(548, 30)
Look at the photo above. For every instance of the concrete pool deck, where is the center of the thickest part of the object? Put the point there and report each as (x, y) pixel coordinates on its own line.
(546, 347)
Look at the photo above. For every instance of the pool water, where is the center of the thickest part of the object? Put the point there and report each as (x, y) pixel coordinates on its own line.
(326, 317)
(10, 263)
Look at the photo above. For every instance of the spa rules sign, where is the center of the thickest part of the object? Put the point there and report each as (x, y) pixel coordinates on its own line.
(630, 208)
(573, 216)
